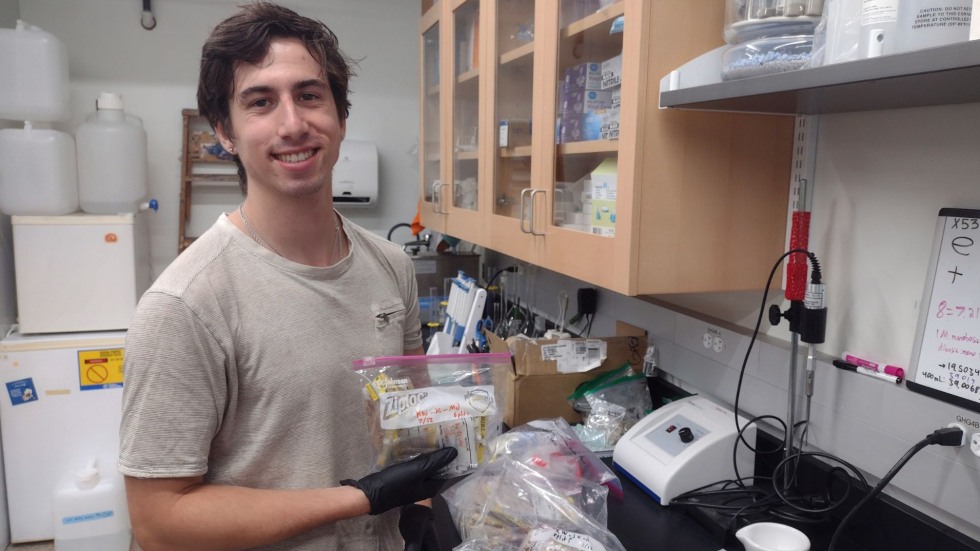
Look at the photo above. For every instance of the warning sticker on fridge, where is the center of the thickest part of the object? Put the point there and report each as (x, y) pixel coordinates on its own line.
(22, 391)
(100, 369)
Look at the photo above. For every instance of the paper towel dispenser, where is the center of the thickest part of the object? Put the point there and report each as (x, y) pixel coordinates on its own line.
(355, 176)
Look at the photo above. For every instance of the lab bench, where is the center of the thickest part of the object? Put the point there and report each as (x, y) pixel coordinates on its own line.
(641, 524)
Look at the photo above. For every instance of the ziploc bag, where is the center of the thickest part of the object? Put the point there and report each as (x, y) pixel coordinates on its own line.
(417, 404)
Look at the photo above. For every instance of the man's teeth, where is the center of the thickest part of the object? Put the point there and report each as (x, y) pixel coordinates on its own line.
(295, 157)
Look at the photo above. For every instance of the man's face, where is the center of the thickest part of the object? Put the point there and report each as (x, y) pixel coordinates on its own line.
(284, 123)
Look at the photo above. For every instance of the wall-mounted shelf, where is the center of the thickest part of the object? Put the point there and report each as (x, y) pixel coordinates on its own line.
(936, 76)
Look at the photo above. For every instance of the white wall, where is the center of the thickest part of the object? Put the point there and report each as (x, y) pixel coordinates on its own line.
(881, 178)
(156, 72)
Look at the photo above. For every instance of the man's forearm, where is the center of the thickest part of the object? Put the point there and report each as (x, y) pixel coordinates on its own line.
(225, 518)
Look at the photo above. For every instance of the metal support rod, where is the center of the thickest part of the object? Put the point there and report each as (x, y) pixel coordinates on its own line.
(791, 406)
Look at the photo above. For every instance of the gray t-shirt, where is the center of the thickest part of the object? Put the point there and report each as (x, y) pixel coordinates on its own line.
(238, 368)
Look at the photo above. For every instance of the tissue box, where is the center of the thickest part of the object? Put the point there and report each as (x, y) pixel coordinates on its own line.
(537, 389)
(585, 76)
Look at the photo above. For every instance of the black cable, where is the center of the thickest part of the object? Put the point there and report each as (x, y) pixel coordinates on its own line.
(833, 504)
(944, 437)
(395, 227)
(755, 335)
(493, 278)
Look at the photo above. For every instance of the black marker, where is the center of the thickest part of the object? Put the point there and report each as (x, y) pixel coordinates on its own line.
(848, 366)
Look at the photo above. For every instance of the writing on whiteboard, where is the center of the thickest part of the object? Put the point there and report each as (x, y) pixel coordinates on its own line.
(948, 355)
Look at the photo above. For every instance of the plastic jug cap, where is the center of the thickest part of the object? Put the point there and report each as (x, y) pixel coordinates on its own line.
(109, 100)
(86, 478)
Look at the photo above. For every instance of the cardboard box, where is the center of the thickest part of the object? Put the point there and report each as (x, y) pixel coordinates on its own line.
(536, 387)
(515, 133)
(584, 76)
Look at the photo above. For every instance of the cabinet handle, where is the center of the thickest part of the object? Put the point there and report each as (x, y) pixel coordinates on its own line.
(437, 197)
(523, 217)
(533, 193)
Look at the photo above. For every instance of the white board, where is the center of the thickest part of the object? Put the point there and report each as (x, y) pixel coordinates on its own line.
(946, 356)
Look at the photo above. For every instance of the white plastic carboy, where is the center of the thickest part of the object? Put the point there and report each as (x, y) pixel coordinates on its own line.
(90, 512)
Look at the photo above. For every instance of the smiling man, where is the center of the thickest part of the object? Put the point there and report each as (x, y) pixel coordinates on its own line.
(240, 416)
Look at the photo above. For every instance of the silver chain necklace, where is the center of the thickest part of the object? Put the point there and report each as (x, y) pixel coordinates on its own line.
(338, 243)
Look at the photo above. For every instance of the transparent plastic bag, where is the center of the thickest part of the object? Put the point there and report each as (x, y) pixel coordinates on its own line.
(505, 500)
(539, 475)
(417, 404)
(553, 447)
(630, 392)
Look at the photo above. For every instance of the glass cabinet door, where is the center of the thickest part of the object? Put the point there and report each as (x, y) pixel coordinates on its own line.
(512, 107)
(590, 47)
(466, 105)
(431, 121)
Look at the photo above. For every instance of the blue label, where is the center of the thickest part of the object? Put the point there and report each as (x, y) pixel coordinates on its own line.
(22, 391)
(88, 517)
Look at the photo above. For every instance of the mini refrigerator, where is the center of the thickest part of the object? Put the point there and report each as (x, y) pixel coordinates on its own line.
(79, 272)
(62, 408)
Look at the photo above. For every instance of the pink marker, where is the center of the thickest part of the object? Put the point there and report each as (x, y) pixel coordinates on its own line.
(888, 369)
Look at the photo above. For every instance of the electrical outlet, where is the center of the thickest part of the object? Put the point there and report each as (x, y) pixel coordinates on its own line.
(975, 444)
(707, 340)
(718, 344)
(962, 430)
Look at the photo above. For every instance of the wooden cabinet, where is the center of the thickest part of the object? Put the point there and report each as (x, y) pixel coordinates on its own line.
(677, 202)
(204, 165)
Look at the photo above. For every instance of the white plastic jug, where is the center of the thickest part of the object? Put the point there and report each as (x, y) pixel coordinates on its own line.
(37, 172)
(90, 512)
(34, 73)
(111, 151)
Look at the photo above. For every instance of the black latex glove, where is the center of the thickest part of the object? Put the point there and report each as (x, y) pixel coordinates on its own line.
(417, 526)
(404, 483)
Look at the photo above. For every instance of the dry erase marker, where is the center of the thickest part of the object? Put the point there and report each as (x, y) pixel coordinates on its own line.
(841, 364)
(888, 369)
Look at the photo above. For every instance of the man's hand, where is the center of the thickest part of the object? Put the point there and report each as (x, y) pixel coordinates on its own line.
(404, 483)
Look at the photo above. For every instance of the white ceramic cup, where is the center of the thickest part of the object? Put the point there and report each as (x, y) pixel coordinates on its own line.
(772, 536)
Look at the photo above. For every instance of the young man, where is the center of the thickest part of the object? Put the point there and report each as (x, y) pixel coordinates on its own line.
(240, 413)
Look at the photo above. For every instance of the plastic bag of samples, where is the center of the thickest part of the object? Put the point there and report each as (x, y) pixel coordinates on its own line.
(417, 404)
(611, 405)
(508, 503)
(539, 474)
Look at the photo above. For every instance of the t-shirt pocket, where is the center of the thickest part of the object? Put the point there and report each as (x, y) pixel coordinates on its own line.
(389, 325)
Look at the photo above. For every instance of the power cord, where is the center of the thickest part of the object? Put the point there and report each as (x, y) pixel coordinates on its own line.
(776, 502)
(948, 436)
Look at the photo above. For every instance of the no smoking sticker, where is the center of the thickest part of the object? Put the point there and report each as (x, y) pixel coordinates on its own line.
(100, 369)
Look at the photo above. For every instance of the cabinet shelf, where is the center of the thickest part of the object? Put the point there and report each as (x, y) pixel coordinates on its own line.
(516, 152)
(592, 146)
(518, 54)
(214, 181)
(469, 76)
(935, 76)
(593, 25)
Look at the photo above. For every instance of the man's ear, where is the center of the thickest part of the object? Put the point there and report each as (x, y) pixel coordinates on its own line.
(224, 138)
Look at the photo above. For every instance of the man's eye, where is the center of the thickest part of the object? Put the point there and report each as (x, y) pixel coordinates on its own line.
(309, 97)
(260, 103)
